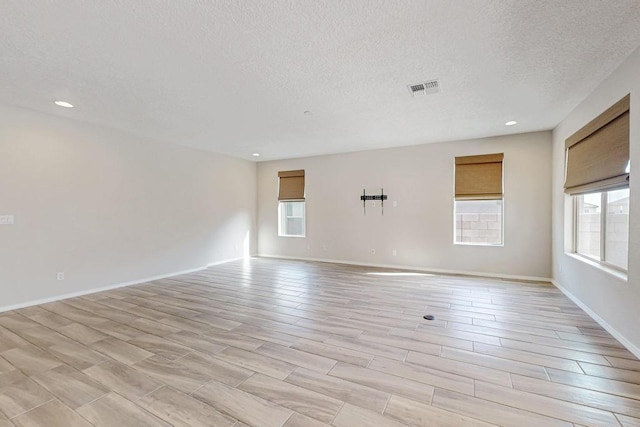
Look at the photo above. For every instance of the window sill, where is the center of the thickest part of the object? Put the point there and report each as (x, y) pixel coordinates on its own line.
(287, 235)
(494, 245)
(618, 274)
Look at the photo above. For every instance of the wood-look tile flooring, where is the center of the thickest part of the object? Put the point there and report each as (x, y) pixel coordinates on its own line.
(288, 343)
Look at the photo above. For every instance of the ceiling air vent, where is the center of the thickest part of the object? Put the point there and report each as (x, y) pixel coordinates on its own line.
(426, 88)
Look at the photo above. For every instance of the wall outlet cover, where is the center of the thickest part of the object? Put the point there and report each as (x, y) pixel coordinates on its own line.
(7, 219)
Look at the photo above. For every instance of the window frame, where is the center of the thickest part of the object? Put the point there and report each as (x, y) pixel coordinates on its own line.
(501, 244)
(282, 218)
(481, 197)
(604, 212)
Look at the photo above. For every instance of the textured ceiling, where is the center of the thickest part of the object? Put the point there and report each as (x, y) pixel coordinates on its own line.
(236, 76)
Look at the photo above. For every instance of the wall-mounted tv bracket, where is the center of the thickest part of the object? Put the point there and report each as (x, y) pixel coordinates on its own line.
(382, 197)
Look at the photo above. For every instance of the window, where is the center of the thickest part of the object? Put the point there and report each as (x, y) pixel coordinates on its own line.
(478, 205)
(478, 222)
(291, 206)
(291, 216)
(597, 176)
(588, 223)
(602, 227)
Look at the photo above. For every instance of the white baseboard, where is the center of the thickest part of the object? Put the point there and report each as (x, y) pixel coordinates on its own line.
(224, 261)
(101, 289)
(412, 268)
(617, 335)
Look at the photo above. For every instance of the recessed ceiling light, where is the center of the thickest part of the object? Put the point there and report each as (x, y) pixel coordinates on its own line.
(511, 123)
(63, 104)
(256, 154)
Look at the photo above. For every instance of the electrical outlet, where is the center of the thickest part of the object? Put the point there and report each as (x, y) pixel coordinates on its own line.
(373, 203)
(324, 248)
(60, 275)
(373, 251)
(6, 219)
(395, 203)
(394, 252)
(560, 267)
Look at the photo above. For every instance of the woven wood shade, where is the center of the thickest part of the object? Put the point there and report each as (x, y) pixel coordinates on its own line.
(479, 177)
(291, 185)
(598, 154)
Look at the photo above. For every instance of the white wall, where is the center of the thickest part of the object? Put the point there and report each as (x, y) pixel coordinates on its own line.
(420, 228)
(611, 299)
(107, 207)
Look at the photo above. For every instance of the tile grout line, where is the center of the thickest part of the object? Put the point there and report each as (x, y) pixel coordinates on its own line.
(35, 407)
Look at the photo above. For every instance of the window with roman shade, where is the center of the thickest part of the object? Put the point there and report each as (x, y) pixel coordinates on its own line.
(597, 156)
(478, 210)
(597, 178)
(479, 177)
(291, 204)
(291, 185)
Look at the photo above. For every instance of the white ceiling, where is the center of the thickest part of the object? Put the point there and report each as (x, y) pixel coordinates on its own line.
(236, 76)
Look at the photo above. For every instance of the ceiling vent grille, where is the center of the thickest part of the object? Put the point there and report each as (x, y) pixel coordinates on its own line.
(425, 88)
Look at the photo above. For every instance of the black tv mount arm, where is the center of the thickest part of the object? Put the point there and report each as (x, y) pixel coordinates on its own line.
(382, 197)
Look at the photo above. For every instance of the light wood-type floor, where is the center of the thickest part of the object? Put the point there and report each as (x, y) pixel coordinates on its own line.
(288, 343)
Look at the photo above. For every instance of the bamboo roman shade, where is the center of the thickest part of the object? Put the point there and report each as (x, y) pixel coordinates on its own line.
(291, 185)
(479, 177)
(598, 154)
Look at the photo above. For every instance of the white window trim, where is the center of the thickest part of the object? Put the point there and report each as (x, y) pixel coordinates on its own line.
(606, 268)
(599, 263)
(304, 222)
(497, 245)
